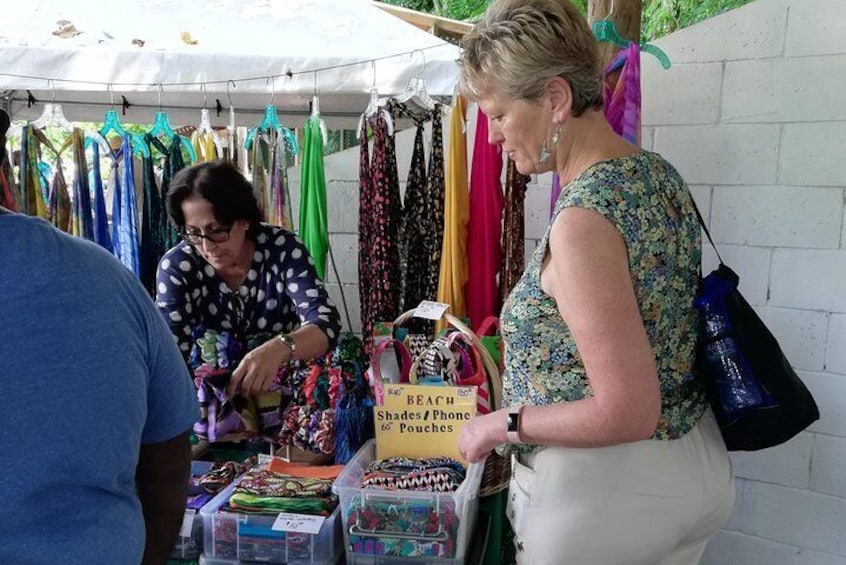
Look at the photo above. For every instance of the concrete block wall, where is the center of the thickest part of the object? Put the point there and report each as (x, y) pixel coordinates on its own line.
(750, 114)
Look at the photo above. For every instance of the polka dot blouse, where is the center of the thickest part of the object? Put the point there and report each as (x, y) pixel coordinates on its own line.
(280, 293)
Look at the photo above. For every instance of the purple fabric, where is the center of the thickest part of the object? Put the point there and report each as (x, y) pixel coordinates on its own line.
(622, 103)
(554, 193)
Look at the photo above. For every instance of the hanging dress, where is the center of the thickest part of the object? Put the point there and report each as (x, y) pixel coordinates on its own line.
(314, 224)
(204, 147)
(484, 248)
(32, 199)
(58, 200)
(622, 101)
(82, 222)
(125, 245)
(413, 248)
(101, 220)
(435, 206)
(153, 226)
(379, 219)
(269, 164)
(9, 194)
(172, 162)
(513, 230)
(453, 271)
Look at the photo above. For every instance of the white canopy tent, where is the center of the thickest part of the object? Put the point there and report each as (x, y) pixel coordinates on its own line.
(168, 52)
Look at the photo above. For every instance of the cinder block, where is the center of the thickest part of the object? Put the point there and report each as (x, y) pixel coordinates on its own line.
(777, 216)
(754, 31)
(342, 206)
(687, 93)
(342, 165)
(828, 466)
(828, 391)
(801, 334)
(808, 279)
(785, 90)
(752, 265)
(787, 464)
(817, 558)
(536, 211)
(734, 548)
(812, 155)
(815, 28)
(702, 197)
(722, 154)
(345, 251)
(797, 517)
(353, 305)
(835, 354)
(647, 137)
(733, 522)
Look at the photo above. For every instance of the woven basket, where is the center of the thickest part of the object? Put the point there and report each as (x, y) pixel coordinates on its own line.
(497, 468)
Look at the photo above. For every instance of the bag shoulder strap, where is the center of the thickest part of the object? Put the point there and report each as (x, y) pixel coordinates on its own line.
(704, 227)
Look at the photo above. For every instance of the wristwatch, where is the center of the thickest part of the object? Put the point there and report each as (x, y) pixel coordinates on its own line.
(512, 431)
(288, 342)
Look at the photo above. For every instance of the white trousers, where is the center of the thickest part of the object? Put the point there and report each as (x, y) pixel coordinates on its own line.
(643, 503)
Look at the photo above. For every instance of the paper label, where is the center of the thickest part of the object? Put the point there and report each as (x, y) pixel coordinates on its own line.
(431, 310)
(300, 523)
(422, 421)
(187, 523)
(264, 459)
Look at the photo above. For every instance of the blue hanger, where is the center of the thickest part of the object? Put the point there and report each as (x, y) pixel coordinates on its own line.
(161, 126)
(269, 123)
(111, 123)
(606, 30)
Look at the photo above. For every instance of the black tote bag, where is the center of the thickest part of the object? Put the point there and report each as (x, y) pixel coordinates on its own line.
(757, 397)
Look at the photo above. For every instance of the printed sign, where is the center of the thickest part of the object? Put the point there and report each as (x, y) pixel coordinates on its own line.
(300, 523)
(422, 421)
(187, 523)
(431, 310)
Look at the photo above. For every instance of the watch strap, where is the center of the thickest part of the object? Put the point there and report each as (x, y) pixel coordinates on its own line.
(512, 430)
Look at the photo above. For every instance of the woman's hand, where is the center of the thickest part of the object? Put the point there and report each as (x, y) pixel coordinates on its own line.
(481, 435)
(257, 370)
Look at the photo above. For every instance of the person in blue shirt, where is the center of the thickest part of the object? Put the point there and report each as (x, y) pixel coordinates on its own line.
(95, 434)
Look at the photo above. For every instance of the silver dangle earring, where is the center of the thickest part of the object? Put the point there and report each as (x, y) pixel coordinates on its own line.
(546, 151)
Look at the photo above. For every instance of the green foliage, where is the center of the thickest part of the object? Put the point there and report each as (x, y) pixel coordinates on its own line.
(660, 17)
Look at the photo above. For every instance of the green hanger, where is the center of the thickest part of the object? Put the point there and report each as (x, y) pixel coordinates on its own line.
(269, 123)
(606, 30)
(161, 126)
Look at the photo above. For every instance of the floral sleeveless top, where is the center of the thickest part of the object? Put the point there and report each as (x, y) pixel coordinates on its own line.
(650, 205)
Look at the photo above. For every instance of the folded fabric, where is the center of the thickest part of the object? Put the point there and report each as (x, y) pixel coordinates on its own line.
(264, 483)
(436, 474)
(251, 504)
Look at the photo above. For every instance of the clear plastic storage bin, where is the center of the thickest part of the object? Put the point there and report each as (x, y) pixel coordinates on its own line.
(231, 537)
(189, 546)
(384, 526)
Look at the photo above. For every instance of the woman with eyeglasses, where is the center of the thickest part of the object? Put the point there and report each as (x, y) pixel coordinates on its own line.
(232, 273)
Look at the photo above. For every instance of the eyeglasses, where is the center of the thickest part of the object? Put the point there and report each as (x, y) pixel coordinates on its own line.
(218, 235)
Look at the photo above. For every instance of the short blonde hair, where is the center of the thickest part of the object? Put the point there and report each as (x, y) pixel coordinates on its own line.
(519, 45)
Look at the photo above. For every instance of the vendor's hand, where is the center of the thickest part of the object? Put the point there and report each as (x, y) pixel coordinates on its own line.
(257, 370)
(481, 435)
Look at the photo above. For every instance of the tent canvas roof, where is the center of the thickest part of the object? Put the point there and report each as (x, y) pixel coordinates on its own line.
(137, 45)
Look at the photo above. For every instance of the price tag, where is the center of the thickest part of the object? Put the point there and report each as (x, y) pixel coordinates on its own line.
(264, 459)
(431, 310)
(187, 523)
(300, 523)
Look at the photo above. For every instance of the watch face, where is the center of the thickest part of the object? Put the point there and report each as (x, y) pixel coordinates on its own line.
(513, 421)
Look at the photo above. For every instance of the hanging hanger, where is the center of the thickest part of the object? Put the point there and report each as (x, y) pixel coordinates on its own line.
(52, 115)
(231, 127)
(315, 113)
(271, 123)
(161, 126)
(415, 91)
(374, 106)
(606, 30)
(111, 124)
(205, 124)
